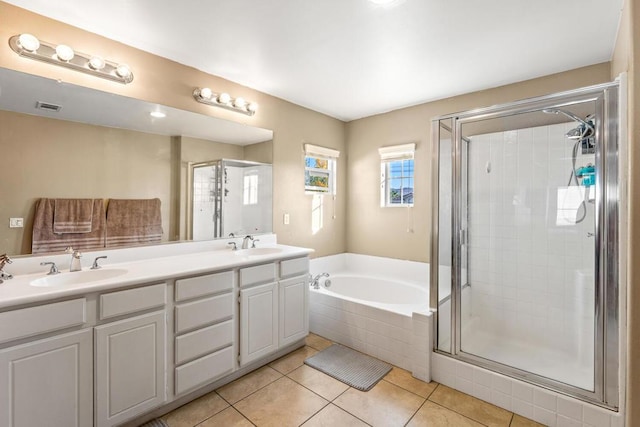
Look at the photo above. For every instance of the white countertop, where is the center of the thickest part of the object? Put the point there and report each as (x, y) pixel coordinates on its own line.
(19, 291)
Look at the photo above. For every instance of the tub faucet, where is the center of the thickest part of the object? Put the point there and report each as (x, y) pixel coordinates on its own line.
(315, 281)
(75, 264)
(245, 241)
(4, 259)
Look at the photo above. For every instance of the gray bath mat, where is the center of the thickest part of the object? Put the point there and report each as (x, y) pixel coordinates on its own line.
(349, 366)
(155, 423)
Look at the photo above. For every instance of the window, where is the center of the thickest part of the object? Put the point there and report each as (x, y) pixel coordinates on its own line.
(396, 175)
(320, 169)
(250, 190)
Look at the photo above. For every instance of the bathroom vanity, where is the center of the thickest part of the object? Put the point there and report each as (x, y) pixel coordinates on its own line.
(106, 348)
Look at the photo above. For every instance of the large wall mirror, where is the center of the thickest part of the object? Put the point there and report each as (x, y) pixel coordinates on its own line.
(64, 141)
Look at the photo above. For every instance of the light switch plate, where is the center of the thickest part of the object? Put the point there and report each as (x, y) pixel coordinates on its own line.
(286, 219)
(16, 222)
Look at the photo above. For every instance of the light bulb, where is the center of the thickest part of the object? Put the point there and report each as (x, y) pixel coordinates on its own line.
(224, 98)
(96, 63)
(206, 93)
(158, 114)
(239, 102)
(123, 71)
(252, 107)
(64, 52)
(28, 42)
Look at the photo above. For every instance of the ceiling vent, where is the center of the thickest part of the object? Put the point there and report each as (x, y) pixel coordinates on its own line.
(48, 106)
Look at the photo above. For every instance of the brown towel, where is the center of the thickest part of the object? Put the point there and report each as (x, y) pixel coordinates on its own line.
(45, 240)
(133, 222)
(72, 216)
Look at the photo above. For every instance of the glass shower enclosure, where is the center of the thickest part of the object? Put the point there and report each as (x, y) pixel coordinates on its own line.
(525, 239)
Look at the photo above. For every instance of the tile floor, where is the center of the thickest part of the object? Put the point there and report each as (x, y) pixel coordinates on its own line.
(288, 393)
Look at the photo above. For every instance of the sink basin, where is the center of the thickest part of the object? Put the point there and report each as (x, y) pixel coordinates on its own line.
(257, 251)
(77, 277)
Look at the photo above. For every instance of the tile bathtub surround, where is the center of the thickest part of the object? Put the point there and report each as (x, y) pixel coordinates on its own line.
(306, 397)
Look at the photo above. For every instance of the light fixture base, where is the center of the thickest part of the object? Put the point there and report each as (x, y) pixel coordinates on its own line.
(213, 99)
(46, 52)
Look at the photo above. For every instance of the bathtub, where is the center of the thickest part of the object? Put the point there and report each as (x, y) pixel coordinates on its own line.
(379, 306)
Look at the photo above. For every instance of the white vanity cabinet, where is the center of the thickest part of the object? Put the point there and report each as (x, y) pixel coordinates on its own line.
(130, 368)
(204, 329)
(273, 307)
(258, 312)
(46, 381)
(294, 300)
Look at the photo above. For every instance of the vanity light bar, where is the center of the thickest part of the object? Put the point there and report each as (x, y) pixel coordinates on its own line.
(29, 46)
(206, 96)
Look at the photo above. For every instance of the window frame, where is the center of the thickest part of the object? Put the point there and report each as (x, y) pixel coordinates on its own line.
(389, 156)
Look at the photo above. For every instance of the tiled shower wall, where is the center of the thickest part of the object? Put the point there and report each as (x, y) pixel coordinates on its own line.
(530, 277)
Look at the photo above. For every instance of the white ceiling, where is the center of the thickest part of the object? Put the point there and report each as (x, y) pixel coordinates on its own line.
(351, 58)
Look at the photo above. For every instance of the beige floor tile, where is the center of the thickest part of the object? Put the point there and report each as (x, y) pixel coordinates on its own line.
(227, 418)
(197, 411)
(332, 416)
(282, 403)
(292, 360)
(483, 412)
(317, 342)
(318, 382)
(244, 386)
(435, 415)
(519, 421)
(384, 405)
(404, 379)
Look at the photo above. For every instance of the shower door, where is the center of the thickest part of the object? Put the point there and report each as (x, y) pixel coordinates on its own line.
(532, 227)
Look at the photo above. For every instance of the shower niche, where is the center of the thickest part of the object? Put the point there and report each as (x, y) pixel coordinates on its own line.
(229, 198)
(526, 240)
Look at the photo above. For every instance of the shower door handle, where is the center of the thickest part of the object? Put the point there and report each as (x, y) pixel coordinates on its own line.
(462, 234)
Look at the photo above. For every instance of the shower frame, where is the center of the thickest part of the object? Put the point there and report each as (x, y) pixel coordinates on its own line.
(606, 273)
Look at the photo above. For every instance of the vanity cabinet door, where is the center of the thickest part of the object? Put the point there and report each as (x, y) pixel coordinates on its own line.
(130, 367)
(294, 310)
(48, 382)
(258, 322)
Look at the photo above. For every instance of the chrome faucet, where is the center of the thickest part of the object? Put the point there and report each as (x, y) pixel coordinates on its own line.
(315, 281)
(75, 264)
(4, 259)
(245, 241)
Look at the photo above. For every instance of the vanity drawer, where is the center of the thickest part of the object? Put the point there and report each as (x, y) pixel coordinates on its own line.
(265, 273)
(204, 370)
(204, 285)
(31, 321)
(294, 267)
(203, 312)
(203, 341)
(132, 300)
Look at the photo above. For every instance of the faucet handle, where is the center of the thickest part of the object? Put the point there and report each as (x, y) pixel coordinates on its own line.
(69, 250)
(53, 269)
(253, 245)
(95, 265)
(234, 246)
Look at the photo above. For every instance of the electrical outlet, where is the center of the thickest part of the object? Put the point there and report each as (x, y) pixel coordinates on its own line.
(286, 219)
(16, 222)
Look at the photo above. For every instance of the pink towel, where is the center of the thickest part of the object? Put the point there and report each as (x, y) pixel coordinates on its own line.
(72, 216)
(45, 240)
(133, 222)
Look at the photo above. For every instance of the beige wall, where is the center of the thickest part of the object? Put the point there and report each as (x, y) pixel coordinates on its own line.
(166, 82)
(404, 233)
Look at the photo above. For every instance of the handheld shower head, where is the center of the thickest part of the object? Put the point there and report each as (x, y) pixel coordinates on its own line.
(569, 115)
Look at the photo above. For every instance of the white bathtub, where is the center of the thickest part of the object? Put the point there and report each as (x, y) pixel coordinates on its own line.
(379, 306)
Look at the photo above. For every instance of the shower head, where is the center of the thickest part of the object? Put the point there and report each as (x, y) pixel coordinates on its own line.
(570, 115)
